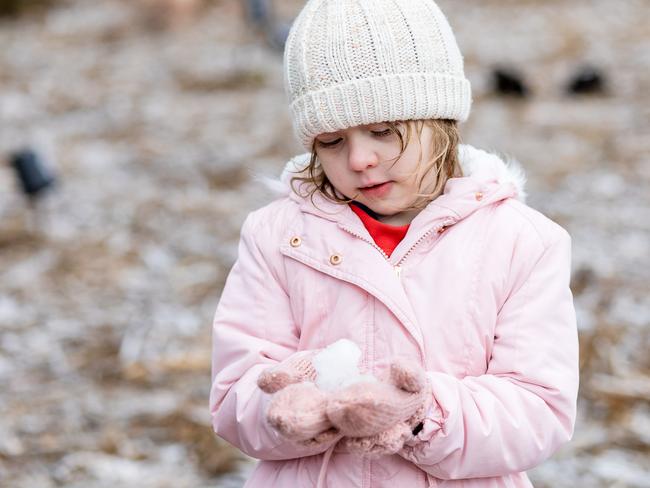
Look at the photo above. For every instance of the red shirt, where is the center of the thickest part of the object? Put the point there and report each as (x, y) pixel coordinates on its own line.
(386, 236)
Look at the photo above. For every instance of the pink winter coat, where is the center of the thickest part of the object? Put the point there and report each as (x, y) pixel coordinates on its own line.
(478, 292)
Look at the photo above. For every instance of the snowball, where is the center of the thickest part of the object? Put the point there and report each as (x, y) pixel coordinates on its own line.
(337, 366)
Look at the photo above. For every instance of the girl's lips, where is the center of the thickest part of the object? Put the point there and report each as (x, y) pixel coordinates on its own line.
(377, 191)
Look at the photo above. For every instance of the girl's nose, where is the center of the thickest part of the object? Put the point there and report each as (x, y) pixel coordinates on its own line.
(361, 155)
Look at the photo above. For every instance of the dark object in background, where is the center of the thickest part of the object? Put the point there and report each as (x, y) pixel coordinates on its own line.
(587, 80)
(262, 15)
(508, 82)
(33, 176)
(13, 8)
(258, 12)
(583, 278)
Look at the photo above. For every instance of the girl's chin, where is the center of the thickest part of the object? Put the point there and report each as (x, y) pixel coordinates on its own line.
(387, 214)
(392, 216)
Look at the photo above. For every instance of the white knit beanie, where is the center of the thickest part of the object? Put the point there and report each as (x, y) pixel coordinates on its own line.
(356, 62)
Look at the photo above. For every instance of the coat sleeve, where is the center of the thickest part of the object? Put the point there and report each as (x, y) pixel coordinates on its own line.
(518, 413)
(253, 329)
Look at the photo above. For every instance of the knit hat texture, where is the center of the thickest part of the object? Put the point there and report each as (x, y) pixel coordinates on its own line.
(357, 62)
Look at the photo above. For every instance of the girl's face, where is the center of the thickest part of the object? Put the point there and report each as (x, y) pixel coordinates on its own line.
(360, 162)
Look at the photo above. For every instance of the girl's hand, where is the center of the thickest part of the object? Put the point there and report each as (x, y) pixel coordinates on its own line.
(385, 443)
(299, 413)
(381, 416)
(295, 369)
(297, 410)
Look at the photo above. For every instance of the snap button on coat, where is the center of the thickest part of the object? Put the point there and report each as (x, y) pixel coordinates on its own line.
(335, 259)
(295, 241)
(479, 196)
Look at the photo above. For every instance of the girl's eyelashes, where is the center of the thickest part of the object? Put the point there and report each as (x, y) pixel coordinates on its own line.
(379, 132)
(328, 143)
(382, 133)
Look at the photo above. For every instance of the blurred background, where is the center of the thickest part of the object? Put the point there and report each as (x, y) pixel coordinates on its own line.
(131, 135)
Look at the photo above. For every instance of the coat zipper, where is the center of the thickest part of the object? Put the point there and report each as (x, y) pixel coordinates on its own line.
(372, 243)
(423, 237)
(398, 267)
(398, 271)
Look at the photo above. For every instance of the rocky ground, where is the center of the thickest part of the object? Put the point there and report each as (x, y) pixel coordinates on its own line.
(157, 121)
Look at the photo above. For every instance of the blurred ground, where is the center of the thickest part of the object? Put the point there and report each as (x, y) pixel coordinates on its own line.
(157, 119)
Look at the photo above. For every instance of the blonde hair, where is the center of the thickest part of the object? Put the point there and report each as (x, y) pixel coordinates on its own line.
(442, 162)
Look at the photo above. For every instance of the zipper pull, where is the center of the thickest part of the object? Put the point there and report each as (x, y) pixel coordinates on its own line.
(398, 270)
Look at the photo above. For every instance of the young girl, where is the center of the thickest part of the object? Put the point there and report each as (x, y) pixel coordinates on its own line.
(413, 247)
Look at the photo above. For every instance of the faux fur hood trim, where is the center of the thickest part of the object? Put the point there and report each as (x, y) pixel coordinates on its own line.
(475, 163)
(484, 166)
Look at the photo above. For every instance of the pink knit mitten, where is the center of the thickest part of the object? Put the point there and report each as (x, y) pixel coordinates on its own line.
(387, 442)
(386, 410)
(297, 410)
(298, 413)
(295, 369)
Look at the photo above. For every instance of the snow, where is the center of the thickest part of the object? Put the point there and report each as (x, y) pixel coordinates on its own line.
(337, 366)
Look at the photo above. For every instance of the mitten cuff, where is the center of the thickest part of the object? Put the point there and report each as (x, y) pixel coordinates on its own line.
(431, 425)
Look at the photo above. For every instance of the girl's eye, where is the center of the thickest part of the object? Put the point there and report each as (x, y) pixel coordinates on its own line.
(328, 143)
(382, 133)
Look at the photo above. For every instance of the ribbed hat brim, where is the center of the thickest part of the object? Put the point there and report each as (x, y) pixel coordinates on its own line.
(411, 96)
